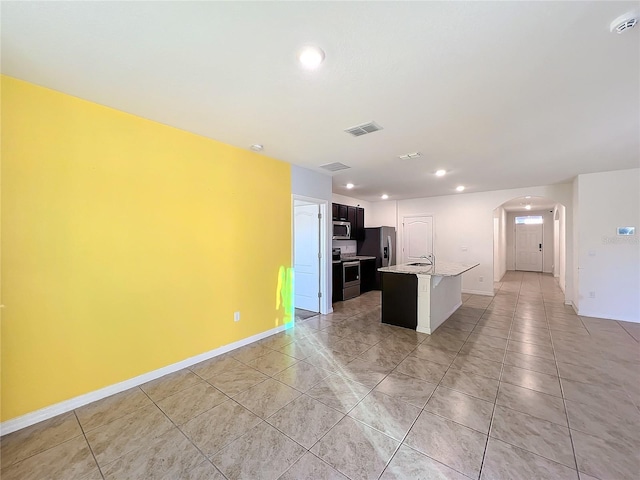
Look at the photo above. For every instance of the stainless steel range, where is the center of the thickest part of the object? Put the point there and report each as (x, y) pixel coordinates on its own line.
(350, 279)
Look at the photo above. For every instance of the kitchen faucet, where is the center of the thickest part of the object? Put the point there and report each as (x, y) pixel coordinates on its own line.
(431, 258)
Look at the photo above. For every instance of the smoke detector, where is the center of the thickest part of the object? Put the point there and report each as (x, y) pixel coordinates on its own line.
(624, 22)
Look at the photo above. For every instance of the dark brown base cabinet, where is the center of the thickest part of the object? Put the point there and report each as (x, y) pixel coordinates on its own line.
(368, 275)
(400, 300)
(337, 283)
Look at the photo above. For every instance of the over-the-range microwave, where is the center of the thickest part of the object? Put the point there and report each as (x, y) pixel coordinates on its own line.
(341, 230)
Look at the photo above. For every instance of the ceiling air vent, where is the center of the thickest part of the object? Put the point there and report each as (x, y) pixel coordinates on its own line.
(410, 155)
(335, 166)
(363, 129)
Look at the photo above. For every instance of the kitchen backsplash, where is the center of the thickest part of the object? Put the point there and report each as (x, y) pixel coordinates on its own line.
(346, 246)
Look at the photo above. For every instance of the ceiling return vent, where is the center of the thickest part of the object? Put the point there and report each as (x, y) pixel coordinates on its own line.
(363, 129)
(335, 166)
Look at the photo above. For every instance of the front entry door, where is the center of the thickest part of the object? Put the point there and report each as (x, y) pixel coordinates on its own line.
(529, 247)
(306, 256)
(417, 241)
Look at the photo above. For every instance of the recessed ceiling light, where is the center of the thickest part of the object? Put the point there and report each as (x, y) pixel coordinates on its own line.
(256, 147)
(460, 188)
(441, 173)
(349, 186)
(528, 207)
(311, 57)
(528, 197)
(384, 197)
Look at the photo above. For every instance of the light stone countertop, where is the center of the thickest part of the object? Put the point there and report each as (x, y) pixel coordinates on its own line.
(442, 269)
(353, 258)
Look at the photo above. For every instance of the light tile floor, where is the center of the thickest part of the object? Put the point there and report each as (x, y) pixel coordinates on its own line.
(511, 387)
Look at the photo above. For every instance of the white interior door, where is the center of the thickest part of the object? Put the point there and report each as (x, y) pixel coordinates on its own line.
(306, 254)
(529, 247)
(417, 238)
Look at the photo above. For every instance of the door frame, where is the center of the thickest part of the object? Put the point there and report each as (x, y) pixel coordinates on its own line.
(400, 243)
(566, 279)
(324, 246)
(312, 220)
(515, 247)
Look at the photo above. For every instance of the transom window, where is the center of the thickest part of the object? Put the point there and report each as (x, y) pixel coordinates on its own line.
(530, 220)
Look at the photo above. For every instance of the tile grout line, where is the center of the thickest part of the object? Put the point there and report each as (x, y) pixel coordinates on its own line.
(401, 442)
(307, 450)
(495, 402)
(184, 434)
(207, 459)
(344, 415)
(564, 400)
(434, 390)
(88, 444)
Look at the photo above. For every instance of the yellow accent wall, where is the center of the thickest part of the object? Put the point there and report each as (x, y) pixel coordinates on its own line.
(126, 245)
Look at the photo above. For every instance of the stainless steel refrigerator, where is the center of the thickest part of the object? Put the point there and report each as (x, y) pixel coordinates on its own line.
(379, 242)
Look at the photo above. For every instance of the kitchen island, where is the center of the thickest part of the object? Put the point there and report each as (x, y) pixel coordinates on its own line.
(421, 297)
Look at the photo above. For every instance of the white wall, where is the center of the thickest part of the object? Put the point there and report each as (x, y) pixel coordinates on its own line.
(573, 271)
(556, 241)
(316, 185)
(310, 184)
(562, 251)
(502, 264)
(547, 239)
(383, 214)
(499, 243)
(467, 220)
(608, 265)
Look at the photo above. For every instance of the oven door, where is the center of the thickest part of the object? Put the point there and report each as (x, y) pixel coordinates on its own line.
(351, 274)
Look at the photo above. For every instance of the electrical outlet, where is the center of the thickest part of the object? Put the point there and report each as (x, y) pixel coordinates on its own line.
(480, 279)
(236, 317)
(592, 294)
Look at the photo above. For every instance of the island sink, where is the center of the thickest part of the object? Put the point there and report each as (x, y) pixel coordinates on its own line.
(421, 298)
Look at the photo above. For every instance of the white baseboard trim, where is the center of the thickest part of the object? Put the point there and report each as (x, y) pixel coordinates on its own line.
(573, 305)
(51, 411)
(478, 292)
(431, 328)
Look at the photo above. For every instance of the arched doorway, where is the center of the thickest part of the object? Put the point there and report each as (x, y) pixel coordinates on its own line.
(529, 234)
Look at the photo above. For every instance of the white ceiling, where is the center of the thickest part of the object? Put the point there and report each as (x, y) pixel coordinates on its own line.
(537, 203)
(500, 94)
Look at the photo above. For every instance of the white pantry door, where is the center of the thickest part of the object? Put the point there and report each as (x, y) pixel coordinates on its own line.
(529, 247)
(306, 257)
(417, 238)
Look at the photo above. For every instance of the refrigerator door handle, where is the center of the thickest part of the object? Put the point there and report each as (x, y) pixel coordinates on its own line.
(390, 250)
